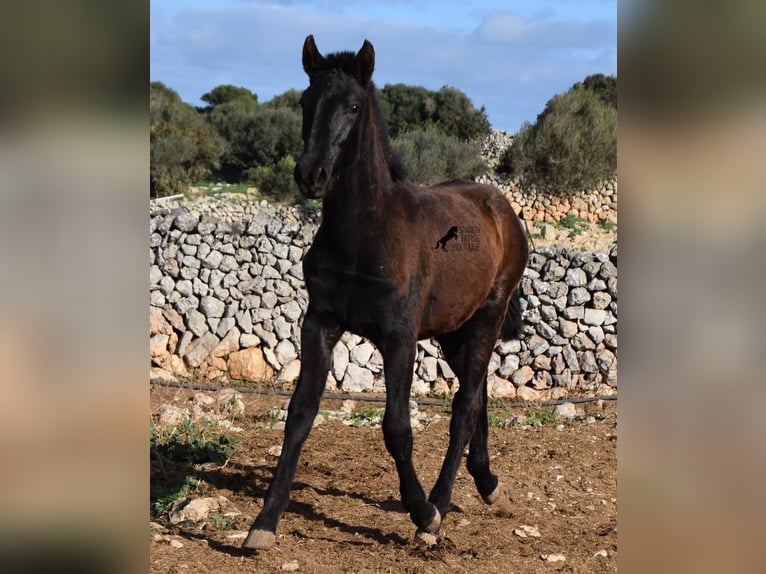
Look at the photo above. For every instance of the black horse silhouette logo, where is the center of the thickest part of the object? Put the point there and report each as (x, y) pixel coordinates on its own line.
(451, 234)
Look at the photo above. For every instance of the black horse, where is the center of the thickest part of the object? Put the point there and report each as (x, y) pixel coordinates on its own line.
(373, 270)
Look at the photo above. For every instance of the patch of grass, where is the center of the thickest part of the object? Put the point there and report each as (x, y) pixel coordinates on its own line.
(496, 419)
(174, 451)
(163, 495)
(573, 223)
(190, 442)
(541, 416)
(368, 416)
(608, 226)
(218, 521)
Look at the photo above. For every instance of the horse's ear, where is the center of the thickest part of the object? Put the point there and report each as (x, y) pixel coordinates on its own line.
(365, 63)
(313, 61)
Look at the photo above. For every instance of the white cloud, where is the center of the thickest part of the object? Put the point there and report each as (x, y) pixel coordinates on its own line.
(509, 63)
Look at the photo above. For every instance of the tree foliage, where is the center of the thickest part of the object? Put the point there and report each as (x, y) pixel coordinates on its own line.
(226, 93)
(449, 110)
(237, 138)
(183, 147)
(573, 143)
(432, 157)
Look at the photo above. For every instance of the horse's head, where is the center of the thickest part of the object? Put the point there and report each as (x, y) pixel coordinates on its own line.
(331, 104)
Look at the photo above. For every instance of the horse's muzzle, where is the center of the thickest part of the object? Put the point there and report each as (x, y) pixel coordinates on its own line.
(312, 182)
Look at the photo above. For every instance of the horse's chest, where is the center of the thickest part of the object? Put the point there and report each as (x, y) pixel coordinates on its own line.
(361, 296)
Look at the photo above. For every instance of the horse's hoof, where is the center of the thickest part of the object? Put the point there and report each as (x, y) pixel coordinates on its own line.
(500, 499)
(259, 540)
(493, 496)
(433, 526)
(427, 538)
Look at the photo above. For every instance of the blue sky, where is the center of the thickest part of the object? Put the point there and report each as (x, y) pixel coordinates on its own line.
(510, 56)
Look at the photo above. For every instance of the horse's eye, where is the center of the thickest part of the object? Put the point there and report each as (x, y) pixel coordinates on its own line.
(353, 108)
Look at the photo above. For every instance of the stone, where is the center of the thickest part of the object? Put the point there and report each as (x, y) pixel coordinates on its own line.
(445, 370)
(361, 353)
(528, 394)
(340, 358)
(285, 352)
(291, 310)
(199, 349)
(537, 344)
(172, 415)
(249, 365)
(588, 362)
(290, 372)
(428, 369)
(228, 344)
(578, 296)
(500, 388)
(158, 345)
(509, 365)
(575, 277)
(522, 376)
(574, 313)
(225, 325)
(212, 307)
(568, 329)
(197, 323)
(429, 348)
(282, 328)
(268, 338)
(601, 300)
(565, 410)
(195, 510)
(247, 340)
(185, 221)
(357, 379)
(594, 316)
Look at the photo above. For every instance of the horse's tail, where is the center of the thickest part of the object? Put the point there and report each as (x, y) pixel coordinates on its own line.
(513, 324)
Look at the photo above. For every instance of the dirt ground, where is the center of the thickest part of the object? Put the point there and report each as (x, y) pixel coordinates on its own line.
(345, 514)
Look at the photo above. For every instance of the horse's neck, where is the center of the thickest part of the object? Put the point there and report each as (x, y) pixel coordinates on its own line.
(360, 193)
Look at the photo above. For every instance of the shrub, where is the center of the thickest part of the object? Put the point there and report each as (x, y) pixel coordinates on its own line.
(183, 147)
(432, 157)
(408, 108)
(276, 181)
(571, 146)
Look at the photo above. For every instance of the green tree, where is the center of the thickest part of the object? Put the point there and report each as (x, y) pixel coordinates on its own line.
(290, 99)
(404, 107)
(605, 87)
(276, 181)
(226, 93)
(455, 115)
(183, 148)
(571, 146)
(449, 110)
(431, 156)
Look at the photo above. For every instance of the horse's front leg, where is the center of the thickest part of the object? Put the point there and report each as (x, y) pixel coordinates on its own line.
(318, 336)
(399, 357)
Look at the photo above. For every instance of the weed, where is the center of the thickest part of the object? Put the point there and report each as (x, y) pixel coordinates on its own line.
(173, 452)
(541, 416)
(573, 223)
(368, 416)
(608, 226)
(495, 419)
(164, 495)
(220, 522)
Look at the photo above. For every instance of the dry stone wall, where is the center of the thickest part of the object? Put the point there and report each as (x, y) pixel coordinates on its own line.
(227, 299)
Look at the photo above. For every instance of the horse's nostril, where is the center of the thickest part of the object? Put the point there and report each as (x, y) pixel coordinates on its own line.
(321, 177)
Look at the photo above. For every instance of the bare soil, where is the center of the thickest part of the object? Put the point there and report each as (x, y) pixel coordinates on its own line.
(345, 514)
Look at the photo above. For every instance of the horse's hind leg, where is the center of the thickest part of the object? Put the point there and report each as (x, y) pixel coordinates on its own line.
(318, 337)
(468, 351)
